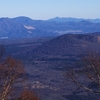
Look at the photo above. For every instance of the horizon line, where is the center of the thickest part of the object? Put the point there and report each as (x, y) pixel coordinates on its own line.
(51, 18)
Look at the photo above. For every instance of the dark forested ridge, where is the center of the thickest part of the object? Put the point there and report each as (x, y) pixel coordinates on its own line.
(69, 44)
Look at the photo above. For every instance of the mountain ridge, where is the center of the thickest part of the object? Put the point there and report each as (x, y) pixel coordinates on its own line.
(25, 27)
(70, 19)
(69, 44)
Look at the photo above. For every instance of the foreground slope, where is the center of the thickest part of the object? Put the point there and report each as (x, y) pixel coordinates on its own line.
(52, 57)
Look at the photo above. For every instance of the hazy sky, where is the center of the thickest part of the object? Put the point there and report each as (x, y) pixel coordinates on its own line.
(45, 9)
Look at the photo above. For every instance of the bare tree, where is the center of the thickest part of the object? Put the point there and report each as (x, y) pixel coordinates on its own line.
(12, 75)
(28, 95)
(90, 71)
(11, 72)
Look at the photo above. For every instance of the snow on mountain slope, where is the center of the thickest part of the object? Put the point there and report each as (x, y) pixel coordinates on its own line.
(29, 27)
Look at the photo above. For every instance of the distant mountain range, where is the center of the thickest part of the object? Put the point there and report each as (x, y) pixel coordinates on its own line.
(24, 27)
(70, 19)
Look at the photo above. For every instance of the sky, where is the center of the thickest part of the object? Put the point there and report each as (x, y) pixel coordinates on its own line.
(46, 9)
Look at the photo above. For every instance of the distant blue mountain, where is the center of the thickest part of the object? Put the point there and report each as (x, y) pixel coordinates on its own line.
(70, 19)
(94, 20)
(64, 19)
(24, 27)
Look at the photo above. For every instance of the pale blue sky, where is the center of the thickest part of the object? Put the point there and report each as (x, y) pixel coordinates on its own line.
(45, 9)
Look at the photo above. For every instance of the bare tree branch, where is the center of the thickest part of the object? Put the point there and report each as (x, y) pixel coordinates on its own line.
(91, 70)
